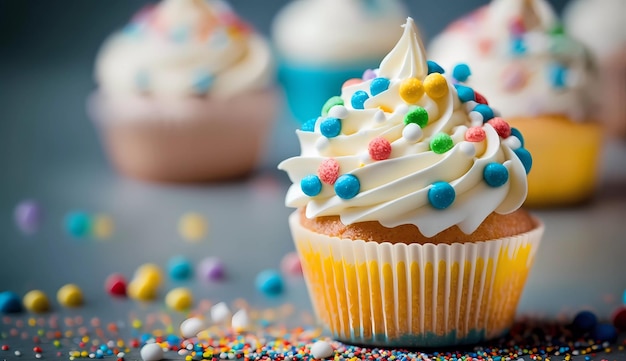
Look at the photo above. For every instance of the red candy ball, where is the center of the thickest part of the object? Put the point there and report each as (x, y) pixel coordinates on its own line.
(619, 319)
(379, 148)
(501, 126)
(479, 98)
(328, 171)
(115, 285)
(475, 134)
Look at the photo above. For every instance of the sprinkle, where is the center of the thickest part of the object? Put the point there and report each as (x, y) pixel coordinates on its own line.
(416, 115)
(330, 127)
(28, 215)
(441, 195)
(70, 295)
(434, 67)
(179, 299)
(436, 86)
(475, 134)
(411, 90)
(291, 265)
(192, 226)
(10, 302)
(441, 143)
(347, 186)
(495, 174)
(269, 282)
(485, 111)
(328, 171)
(412, 133)
(151, 352)
(115, 284)
(311, 185)
(518, 46)
(36, 301)
(331, 102)
(179, 268)
(525, 157)
(557, 75)
(309, 125)
(465, 93)
(77, 224)
(358, 99)
(501, 126)
(211, 269)
(461, 72)
(378, 86)
(379, 148)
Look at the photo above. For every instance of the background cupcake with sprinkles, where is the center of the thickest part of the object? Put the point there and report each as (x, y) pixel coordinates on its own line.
(185, 93)
(543, 82)
(408, 219)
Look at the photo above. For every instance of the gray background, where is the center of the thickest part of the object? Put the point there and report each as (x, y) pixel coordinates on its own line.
(49, 151)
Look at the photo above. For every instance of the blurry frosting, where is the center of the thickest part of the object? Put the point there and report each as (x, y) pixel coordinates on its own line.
(521, 59)
(404, 145)
(337, 31)
(184, 47)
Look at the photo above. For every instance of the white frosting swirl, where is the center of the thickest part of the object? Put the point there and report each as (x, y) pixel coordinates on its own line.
(520, 59)
(182, 48)
(330, 31)
(394, 185)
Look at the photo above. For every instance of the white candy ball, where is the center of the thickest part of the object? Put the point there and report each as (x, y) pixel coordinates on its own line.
(240, 320)
(151, 352)
(380, 117)
(321, 350)
(412, 133)
(191, 327)
(220, 313)
(476, 119)
(338, 111)
(512, 142)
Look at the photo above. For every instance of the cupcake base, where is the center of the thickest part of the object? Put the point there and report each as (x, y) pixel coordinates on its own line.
(185, 140)
(566, 157)
(414, 295)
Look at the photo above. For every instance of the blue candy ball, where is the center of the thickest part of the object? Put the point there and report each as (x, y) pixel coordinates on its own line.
(585, 321)
(485, 110)
(347, 186)
(465, 93)
(358, 99)
(269, 282)
(311, 185)
(461, 72)
(180, 268)
(309, 125)
(78, 224)
(10, 302)
(441, 195)
(605, 332)
(434, 67)
(557, 75)
(518, 46)
(516, 133)
(525, 157)
(495, 174)
(378, 86)
(330, 127)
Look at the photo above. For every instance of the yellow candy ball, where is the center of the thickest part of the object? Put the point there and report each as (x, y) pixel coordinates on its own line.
(36, 301)
(70, 295)
(142, 290)
(192, 226)
(411, 90)
(149, 273)
(103, 226)
(436, 86)
(179, 299)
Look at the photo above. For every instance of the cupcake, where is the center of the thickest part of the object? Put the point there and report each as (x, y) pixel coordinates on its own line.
(408, 219)
(542, 81)
(185, 94)
(321, 43)
(599, 25)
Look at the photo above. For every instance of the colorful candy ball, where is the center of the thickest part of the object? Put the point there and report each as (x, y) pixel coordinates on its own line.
(179, 299)
(291, 265)
(78, 224)
(269, 282)
(28, 216)
(70, 296)
(36, 301)
(585, 321)
(115, 285)
(192, 226)
(10, 302)
(180, 268)
(151, 352)
(211, 269)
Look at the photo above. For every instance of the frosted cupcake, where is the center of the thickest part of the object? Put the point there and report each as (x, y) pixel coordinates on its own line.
(185, 93)
(599, 25)
(408, 219)
(321, 43)
(542, 81)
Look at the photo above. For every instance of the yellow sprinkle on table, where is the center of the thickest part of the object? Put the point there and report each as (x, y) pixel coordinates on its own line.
(192, 226)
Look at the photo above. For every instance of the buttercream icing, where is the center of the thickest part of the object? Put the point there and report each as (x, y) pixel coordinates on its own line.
(184, 47)
(521, 59)
(407, 146)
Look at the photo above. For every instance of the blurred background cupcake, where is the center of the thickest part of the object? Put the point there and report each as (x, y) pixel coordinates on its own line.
(185, 93)
(599, 24)
(542, 82)
(321, 43)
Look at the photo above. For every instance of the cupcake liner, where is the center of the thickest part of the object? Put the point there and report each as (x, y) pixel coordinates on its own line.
(413, 294)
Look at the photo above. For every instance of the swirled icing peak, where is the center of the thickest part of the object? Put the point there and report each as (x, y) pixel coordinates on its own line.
(184, 47)
(521, 59)
(406, 145)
